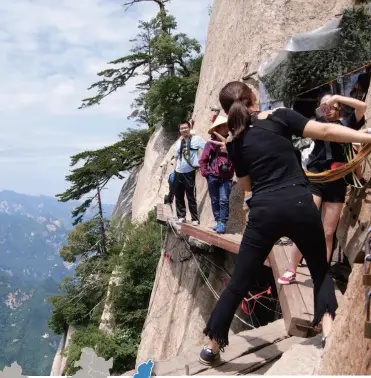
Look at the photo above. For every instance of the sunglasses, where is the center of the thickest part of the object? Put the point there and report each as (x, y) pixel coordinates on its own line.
(327, 108)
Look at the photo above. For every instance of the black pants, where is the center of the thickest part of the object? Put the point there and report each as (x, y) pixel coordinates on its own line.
(185, 184)
(287, 212)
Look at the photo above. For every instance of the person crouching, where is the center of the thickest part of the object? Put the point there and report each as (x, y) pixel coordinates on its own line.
(217, 168)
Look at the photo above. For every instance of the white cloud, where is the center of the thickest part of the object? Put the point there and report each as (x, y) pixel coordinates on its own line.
(50, 53)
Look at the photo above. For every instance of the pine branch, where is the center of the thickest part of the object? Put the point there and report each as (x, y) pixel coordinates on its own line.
(160, 3)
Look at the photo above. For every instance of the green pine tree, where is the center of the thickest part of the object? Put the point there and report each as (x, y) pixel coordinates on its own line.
(169, 63)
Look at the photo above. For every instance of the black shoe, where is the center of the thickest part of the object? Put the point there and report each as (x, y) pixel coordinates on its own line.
(207, 356)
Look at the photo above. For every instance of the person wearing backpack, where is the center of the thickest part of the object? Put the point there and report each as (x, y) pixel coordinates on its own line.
(217, 168)
(186, 165)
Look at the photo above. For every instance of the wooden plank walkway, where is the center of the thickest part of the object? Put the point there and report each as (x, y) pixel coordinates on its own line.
(228, 242)
(248, 351)
(296, 300)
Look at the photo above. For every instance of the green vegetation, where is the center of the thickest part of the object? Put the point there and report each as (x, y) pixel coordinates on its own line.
(169, 63)
(134, 251)
(99, 167)
(303, 71)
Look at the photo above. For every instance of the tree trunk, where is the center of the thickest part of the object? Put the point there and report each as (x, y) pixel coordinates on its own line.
(101, 223)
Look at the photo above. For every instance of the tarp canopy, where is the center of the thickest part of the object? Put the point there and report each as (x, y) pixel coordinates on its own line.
(311, 59)
(323, 38)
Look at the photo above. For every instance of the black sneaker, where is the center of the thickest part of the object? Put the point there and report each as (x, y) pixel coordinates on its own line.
(207, 356)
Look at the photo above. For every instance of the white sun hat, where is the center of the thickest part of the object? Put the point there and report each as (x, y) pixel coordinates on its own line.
(220, 120)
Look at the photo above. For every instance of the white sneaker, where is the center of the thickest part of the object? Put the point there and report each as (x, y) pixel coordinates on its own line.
(180, 220)
(195, 223)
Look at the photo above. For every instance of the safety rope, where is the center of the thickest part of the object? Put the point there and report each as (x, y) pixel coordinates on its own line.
(340, 172)
(216, 295)
(227, 273)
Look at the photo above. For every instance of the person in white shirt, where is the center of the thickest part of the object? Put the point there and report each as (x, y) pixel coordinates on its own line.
(186, 164)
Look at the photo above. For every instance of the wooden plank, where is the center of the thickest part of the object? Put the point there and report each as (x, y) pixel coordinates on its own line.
(227, 242)
(272, 332)
(264, 369)
(163, 213)
(293, 307)
(255, 360)
(242, 343)
(305, 283)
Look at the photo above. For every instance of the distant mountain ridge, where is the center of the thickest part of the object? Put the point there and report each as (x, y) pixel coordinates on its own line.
(32, 231)
(43, 208)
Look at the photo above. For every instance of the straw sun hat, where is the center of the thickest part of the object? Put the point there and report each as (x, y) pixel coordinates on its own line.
(220, 120)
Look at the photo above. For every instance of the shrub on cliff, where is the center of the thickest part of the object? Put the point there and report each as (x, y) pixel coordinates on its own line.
(134, 252)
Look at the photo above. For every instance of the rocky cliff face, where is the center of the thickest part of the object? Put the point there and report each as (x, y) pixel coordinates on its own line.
(152, 182)
(180, 302)
(242, 34)
(124, 203)
(347, 351)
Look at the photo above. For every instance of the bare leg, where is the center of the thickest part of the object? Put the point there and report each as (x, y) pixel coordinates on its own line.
(213, 345)
(326, 324)
(330, 217)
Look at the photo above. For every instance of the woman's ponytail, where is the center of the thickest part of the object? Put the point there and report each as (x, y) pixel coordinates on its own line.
(238, 117)
(236, 98)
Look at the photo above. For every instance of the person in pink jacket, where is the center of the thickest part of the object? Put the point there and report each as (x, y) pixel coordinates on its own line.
(217, 168)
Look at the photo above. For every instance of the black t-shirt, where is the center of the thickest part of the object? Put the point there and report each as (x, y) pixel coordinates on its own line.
(325, 153)
(267, 157)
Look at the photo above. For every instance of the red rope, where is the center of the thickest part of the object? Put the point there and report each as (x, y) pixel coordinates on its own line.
(268, 291)
(244, 308)
(213, 118)
(243, 304)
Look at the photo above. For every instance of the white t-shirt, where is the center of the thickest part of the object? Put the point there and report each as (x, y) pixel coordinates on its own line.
(196, 144)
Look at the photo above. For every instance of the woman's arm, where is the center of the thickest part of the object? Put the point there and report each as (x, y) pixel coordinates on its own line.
(205, 160)
(359, 106)
(245, 182)
(332, 132)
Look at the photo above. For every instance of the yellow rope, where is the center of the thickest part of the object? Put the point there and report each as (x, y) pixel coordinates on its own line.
(337, 173)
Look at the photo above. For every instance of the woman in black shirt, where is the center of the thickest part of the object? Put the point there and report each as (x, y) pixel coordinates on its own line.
(329, 196)
(261, 150)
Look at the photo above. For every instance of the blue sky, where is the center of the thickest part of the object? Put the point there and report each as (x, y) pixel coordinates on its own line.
(50, 53)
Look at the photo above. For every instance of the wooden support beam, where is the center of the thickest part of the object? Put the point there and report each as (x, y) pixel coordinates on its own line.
(163, 213)
(294, 307)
